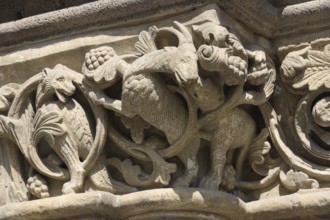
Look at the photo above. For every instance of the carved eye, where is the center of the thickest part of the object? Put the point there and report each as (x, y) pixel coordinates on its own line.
(60, 79)
(186, 59)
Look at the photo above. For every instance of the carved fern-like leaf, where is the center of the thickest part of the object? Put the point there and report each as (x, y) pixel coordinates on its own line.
(47, 125)
(312, 79)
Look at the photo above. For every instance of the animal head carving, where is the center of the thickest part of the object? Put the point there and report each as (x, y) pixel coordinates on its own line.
(179, 57)
(184, 59)
(184, 64)
(58, 81)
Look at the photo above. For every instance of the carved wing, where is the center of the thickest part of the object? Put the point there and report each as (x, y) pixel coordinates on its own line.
(146, 43)
(48, 125)
(80, 126)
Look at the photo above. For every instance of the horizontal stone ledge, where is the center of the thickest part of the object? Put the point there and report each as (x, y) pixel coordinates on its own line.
(259, 15)
(171, 202)
(90, 16)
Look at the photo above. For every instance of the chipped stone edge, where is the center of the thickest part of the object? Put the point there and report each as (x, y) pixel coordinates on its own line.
(299, 205)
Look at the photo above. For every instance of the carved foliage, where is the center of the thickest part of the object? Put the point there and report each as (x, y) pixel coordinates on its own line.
(306, 72)
(146, 97)
(190, 87)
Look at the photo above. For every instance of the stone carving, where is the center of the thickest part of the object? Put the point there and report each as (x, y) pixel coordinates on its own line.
(223, 115)
(306, 73)
(225, 55)
(190, 109)
(77, 141)
(297, 180)
(147, 98)
(7, 93)
(38, 187)
(60, 124)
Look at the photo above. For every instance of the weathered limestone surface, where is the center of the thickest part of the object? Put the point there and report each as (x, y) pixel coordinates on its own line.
(136, 109)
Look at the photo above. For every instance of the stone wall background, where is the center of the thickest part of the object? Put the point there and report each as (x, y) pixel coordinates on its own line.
(11, 10)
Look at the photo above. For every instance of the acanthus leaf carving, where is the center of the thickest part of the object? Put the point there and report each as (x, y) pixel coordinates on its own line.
(297, 180)
(306, 72)
(307, 69)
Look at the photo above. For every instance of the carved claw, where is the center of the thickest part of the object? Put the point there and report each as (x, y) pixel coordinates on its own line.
(75, 184)
(183, 181)
(72, 187)
(69, 188)
(210, 182)
(97, 100)
(189, 175)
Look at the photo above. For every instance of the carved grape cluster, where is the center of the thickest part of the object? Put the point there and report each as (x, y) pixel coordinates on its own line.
(96, 57)
(37, 186)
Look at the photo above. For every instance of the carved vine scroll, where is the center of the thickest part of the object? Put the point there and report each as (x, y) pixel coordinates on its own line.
(190, 110)
(306, 73)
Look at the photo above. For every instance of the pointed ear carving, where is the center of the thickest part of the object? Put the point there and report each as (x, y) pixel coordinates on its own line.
(195, 27)
(45, 72)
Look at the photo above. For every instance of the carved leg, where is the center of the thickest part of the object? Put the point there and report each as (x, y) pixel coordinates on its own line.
(76, 182)
(188, 158)
(218, 160)
(69, 154)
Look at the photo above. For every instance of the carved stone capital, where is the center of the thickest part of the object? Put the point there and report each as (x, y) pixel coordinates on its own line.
(195, 114)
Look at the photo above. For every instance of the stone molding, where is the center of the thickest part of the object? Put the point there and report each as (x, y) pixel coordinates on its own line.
(175, 203)
(260, 16)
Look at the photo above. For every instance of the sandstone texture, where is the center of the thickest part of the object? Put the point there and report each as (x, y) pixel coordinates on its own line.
(137, 109)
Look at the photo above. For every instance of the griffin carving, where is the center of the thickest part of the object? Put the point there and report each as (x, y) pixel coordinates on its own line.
(146, 95)
(147, 98)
